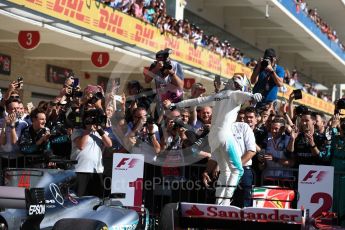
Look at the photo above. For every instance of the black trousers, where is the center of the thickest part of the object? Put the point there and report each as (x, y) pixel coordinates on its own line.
(89, 184)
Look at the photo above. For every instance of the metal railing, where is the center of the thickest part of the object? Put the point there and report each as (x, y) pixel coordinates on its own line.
(188, 186)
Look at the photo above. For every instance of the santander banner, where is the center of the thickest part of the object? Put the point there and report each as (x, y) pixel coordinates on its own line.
(127, 177)
(291, 216)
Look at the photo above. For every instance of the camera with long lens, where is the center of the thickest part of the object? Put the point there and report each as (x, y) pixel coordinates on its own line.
(163, 55)
(97, 96)
(94, 117)
(74, 118)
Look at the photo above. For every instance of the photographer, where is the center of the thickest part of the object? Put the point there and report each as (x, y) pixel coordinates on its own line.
(70, 91)
(168, 77)
(87, 146)
(142, 134)
(135, 98)
(267, 77)
(171, 145)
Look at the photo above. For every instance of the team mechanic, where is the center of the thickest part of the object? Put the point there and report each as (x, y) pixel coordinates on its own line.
(224, 147)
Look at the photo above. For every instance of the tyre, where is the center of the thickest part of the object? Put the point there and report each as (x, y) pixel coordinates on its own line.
(79, 224)
(168, 217)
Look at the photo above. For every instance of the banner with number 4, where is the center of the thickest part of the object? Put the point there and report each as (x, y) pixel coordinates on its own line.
(100, 59)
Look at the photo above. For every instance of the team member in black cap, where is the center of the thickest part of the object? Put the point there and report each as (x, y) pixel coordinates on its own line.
(267, 77)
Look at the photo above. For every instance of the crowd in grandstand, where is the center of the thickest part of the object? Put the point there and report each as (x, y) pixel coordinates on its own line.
(154, 12)
(302, 6)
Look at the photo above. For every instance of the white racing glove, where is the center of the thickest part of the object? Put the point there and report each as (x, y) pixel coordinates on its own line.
(257, 97)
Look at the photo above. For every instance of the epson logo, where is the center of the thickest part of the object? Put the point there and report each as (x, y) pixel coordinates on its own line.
(37, 209)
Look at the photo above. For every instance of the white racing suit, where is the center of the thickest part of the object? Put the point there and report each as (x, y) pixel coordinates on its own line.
(224, 147)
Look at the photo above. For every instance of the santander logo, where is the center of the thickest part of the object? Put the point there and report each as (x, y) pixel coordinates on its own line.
(191, 210)
(194, 211)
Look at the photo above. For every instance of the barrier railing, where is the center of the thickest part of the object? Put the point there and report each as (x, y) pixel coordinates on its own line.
(188, 187)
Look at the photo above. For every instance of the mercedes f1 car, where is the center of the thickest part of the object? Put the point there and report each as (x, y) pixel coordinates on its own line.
(42, 199)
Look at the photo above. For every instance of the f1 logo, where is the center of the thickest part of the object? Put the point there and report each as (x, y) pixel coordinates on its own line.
(319, 175)
(124, 162)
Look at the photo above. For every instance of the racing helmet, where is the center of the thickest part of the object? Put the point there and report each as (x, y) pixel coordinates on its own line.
(239, 82)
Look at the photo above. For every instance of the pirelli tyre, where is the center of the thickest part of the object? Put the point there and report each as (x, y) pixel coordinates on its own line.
(79, 224)
(168, 218)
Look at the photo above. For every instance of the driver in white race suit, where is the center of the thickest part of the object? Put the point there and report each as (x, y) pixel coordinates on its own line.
(224, 147)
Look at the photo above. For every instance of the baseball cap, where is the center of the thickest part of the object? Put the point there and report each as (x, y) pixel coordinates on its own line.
(270, 53)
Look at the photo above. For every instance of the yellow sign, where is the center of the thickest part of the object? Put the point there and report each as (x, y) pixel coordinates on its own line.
(310, 101)
(97, 17)
(102, 19)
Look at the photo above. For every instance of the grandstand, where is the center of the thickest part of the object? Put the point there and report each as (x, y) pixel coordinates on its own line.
(70, 31)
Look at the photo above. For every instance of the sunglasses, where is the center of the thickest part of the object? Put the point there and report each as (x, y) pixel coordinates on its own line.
(15, 97)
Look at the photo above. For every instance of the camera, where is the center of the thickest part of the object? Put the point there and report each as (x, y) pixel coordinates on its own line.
(94, 117)
(150, 120)
(19, 82)
(166, 65)
(297, 94)
(163, 55)
(265, 62)
(74, 118)
(73, 89)
(178, 123)
(97, 96)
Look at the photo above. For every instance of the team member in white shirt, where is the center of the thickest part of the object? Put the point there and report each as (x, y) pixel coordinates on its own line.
(87, 146)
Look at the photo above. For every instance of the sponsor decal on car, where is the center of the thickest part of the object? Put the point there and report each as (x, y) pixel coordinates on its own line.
(292, 216)
(56, 193)
(38, 209)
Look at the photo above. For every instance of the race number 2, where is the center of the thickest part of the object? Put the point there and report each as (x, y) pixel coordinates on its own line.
(326, 203)
(315, 188)
(28, 39)
(100, 59)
